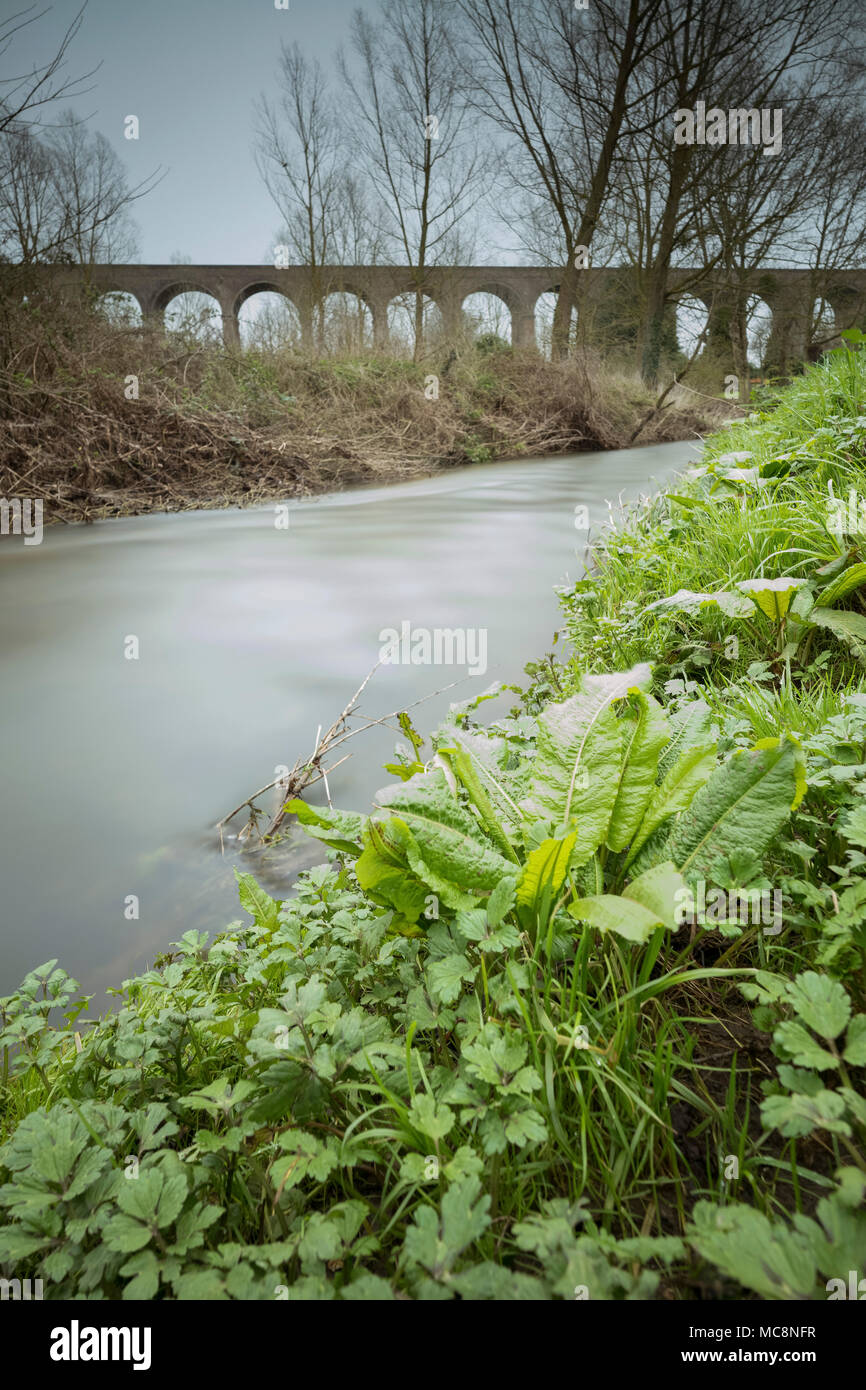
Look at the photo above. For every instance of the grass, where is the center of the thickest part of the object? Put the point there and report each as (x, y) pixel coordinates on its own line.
(439, 1070)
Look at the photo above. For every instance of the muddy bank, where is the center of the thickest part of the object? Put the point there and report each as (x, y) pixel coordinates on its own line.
(108, 423)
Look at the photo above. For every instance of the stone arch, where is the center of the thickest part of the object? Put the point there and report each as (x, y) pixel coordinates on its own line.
(343, 321)
(848, 303)
(165, 296)
(196, 314)
(789, 300)
(400, 321)
(483, 313)
(190, 309)
(494, 287)
(260, 287)
(346, 285)
(822, 327)
(760, 307)
(520, 303)
(120, 306)
(268, 319)
(741, 323)
(760, 322)
(542, 320)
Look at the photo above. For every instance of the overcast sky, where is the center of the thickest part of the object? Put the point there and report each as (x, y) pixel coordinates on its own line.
(190, 71)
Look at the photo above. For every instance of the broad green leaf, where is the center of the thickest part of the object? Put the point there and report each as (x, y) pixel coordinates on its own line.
(688, 726)
(524, 1127)
(853, 827)
(690, 503)
(801, 606)
(17, 1244)
(445, 847)
(802, 1048)
(447, 976)
(850, 579)
(257, 902)
(290, 1088)
(770, 1258)
(340, 830)
(645, 733)
(743, 475)
(676, 792)
(143, 1273)
(794, 1116)
(501, 901)
(845, 1227)
(220, 1097)
(657, 890)
(431, 1117)
(820, 1002)
(368, 1288)
(624, 916)
(486, 753)
(577, 763)
(805, 1083)
(743, 805)
(544, 872)
(382, 870)
(849, 628)
(773, 596)
(436, 1241)
(125, 1234)
(307, 1156)
(852, 1187)
(856, 1104)
(855, 1041)
(688, 601)
(492, 1283)
(152, 1197)
(469, 769)
(494, 1054)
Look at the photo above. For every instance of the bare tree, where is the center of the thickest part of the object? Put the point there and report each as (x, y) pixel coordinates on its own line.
(738, 57)
(65, 197)
(560, 84)
(414, 132)
(298, 157)
(300, 153)
(31, 216)
(805, 204)
(94, 194)
(24, 95)
(829, 231)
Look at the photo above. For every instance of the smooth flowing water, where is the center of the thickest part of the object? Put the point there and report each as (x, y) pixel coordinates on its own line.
(116, 768)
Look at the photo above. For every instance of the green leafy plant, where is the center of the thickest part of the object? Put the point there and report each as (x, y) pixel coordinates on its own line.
(809, 1043)
(779, 1261)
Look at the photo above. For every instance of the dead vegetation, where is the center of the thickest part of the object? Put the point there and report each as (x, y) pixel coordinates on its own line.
(103, 419)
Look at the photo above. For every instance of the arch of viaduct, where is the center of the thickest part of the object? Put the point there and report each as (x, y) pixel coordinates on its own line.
(790, 294)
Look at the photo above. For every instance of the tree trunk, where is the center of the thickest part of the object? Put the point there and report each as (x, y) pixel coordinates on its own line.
(658, 279)
(419, 326)
(738, 331)
(561, 334)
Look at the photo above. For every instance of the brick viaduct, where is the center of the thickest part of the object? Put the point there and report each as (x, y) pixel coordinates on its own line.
(790, 294)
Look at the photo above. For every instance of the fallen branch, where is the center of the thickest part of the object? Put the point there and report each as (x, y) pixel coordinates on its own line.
(307, 772)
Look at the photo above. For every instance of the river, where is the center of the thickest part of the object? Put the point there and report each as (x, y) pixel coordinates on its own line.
(116, 766)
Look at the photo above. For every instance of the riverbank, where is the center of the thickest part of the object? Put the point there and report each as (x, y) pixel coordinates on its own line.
(519, 1039)
(240, 604)
(107, 420)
